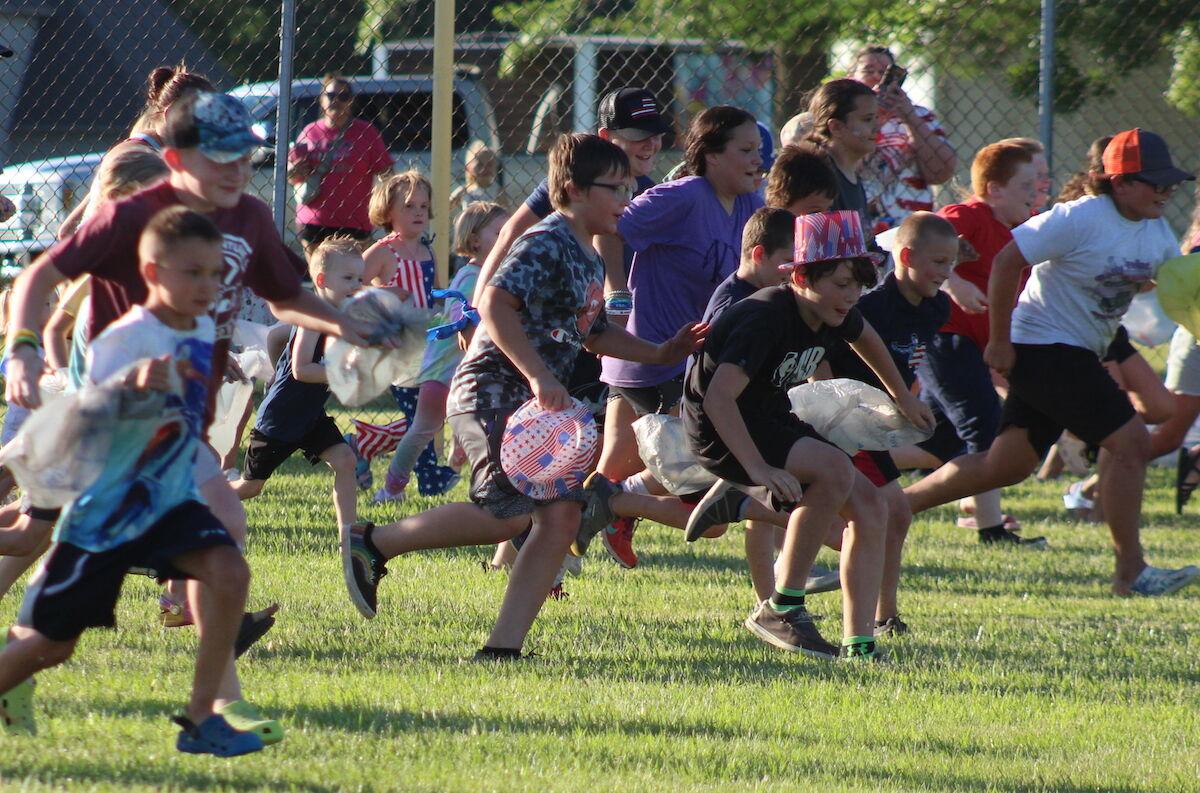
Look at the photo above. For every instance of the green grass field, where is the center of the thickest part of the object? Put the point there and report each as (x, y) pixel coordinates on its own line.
(1021, 673)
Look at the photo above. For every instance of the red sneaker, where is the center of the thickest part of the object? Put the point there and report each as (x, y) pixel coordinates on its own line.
(618, 539)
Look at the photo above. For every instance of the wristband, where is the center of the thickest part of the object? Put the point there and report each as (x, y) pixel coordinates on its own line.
(618, 303)
(48, 514)
(17, 340)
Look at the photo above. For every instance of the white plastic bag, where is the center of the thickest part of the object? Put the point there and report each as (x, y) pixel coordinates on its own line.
(663, 447)
(63, 446)
(359, 374)
(1146, 321)
(854, 415)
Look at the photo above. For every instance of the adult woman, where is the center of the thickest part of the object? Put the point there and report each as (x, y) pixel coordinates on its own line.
(164, 86)
(911, 150)
(347, 153)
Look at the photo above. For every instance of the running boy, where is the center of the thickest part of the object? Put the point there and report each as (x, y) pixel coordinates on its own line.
(145, 510)
(741, 428)
(906, 312)
(292, 415)
(542, 305)
(1095, 254)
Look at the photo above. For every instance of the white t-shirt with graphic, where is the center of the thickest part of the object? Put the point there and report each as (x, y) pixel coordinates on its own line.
(1093, 262)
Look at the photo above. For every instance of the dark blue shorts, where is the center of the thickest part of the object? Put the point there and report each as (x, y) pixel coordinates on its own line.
(959, 384)
(76, 589)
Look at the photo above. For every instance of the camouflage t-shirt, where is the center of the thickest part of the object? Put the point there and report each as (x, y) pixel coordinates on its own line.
(560, 284)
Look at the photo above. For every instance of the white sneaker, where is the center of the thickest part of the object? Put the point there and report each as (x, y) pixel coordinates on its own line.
(1154, 581)
(1074, 499)
(385, 496)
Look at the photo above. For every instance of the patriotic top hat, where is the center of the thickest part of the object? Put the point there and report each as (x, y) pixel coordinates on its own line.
(825, 236)
(547, 454)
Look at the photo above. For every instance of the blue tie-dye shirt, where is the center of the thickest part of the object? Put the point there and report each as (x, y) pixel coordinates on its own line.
(148, 471)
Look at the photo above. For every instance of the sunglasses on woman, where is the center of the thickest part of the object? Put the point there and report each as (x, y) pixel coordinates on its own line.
(339, 96)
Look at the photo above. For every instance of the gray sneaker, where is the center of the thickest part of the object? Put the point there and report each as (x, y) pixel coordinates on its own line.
(793, 631)
(1153, 581)
(597, 515)
(720, 504)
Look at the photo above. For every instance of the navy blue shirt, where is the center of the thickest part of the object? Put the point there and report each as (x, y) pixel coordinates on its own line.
(291, 408)
(539, 204)
(728, 292)
(906, 331)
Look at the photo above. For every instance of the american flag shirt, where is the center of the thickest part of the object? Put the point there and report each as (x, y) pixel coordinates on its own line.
(411, 275)
(893, 182)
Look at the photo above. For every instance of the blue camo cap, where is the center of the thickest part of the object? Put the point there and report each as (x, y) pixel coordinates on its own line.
(219, 128)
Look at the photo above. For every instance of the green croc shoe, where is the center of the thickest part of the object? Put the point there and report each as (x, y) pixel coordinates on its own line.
(244, 717)
(17, 703)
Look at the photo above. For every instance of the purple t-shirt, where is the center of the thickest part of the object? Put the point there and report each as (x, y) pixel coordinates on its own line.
(685, 244)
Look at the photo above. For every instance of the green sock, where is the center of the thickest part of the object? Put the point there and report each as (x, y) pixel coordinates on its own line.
(785, 599)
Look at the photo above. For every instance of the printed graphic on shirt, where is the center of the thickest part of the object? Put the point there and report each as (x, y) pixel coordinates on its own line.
(797, 367)
(1117, 285)
(236, 252)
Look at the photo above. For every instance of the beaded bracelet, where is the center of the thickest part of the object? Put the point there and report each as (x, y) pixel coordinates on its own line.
(618, 303)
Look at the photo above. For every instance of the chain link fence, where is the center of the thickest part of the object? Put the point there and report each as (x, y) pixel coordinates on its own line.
(75, 82)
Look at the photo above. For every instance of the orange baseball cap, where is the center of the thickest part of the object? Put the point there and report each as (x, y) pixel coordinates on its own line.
(1138, 152)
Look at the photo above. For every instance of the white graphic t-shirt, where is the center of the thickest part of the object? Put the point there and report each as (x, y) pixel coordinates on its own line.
(1093, 262)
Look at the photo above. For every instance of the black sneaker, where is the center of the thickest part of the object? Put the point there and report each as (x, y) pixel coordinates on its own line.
(1003, 536)
(597, 515)
(892, 626)
(793, 631)
(500, 654)
(362, 569)
(719, 505)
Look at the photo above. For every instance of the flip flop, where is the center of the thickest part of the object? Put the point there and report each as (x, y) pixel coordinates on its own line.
(254, 626)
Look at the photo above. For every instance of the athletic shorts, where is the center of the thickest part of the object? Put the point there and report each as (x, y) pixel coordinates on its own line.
(1053, 387)
(75, 589)
(480, 435)
(647, 400)
(1120, 349)
(944, 444)
(774, 436)
(1183, 364)
(876, 466)
(264, 454)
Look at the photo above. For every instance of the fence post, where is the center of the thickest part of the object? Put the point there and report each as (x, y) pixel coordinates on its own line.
(443, 134)
(283, 113)
(1046, 83)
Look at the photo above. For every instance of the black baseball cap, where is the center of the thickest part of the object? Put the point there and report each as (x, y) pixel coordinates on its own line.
(632, 113)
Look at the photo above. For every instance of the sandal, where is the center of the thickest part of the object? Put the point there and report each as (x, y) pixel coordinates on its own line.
(1185, 467)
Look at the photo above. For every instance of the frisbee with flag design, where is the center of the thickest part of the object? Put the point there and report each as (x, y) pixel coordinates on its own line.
(547, 454)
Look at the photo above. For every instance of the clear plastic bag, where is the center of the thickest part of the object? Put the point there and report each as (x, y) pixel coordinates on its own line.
(63, 446)
(1146, 321)
(662, 445)
(854, 415)
(359, 374)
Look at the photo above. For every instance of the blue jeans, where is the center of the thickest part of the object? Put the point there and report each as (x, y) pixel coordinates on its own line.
(957, 382)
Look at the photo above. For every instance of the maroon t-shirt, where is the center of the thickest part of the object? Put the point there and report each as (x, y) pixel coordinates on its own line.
(105, 247)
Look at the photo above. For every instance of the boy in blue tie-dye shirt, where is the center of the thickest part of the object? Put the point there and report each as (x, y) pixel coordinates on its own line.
(144, 511)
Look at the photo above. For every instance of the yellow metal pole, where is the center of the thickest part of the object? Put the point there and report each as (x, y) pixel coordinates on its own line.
(443, 87)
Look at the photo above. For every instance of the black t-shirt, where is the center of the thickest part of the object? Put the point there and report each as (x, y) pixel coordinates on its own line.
(906, 331)
(765, 336)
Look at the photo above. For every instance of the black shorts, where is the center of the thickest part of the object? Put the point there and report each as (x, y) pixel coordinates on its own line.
(944, 444)
(877, 466)
(585, 385)
(1053, 387)
(264, 454)
(314, 235)
(480, 435)
(773, 436)
(76, 589)
(647, 400)
(1120, 349)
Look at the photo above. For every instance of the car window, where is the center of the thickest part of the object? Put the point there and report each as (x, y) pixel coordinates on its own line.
(405, 119)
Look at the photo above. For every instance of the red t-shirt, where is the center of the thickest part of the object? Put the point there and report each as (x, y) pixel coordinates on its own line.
(106, 248)
(976, 221)
(346, 187)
